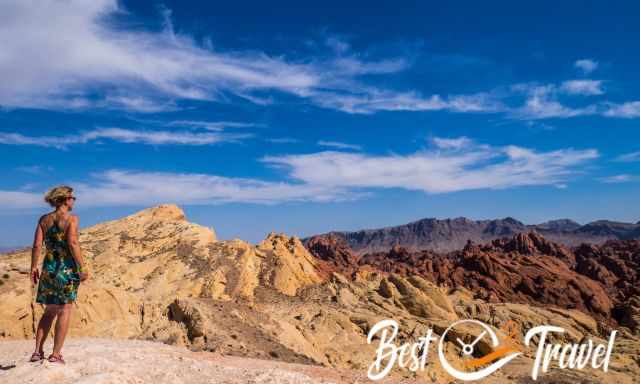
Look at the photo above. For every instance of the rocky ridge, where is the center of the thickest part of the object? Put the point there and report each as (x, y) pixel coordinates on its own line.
(158, 277)
(452, 234)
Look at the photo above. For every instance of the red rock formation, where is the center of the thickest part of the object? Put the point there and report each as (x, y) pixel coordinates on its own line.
(615, 264)
(525, 268)
(528, 269)
(334, 252)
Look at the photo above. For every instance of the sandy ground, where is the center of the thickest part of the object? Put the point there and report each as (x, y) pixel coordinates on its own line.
(102, 361)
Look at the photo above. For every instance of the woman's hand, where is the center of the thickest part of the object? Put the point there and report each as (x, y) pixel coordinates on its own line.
(83, 276)
(35, 275)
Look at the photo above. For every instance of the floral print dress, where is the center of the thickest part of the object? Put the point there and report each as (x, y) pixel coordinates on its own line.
(59, 279)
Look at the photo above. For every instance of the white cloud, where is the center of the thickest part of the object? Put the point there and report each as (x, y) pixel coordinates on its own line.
(78, 58)
(129, 103)
(366, 100)
(60, 53)
(122, 187)
(476, 167)
(372, 100)
(626, 110)
(480, 102)
(541, 103)
(282, 140)
(586, 65)
(452, 143)
(20, 200)
(629, 157)
(160, 137)
(10, 138)
(123, 136)
(337, 44)
(34, 169)
(352, 66)
(582, 87)
(337, 144)
(117, 187)
(623, 178)
(538, 107)
(210, 125)
(334, 176)
(72, 55)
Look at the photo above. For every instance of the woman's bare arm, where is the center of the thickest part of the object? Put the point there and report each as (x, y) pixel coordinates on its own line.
(35, 252)
(74, 244)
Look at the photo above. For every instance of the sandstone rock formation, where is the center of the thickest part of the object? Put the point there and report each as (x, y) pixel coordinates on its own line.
(158, 277)
(144, 262)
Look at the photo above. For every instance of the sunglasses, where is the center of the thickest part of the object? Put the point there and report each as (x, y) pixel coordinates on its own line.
(72, 197)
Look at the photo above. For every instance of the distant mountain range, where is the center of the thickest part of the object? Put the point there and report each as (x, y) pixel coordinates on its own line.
(9, 249)
(452, 234)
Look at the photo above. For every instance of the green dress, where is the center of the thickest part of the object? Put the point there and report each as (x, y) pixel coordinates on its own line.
(59, 279)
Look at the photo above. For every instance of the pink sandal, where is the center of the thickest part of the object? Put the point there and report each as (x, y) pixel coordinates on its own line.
(36, 356)
(56, 359)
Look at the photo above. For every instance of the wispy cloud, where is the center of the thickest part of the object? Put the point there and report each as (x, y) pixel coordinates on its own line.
(353, 66)
(339, 145)
(629, 157)
(282, 140)
(623, 178)
(211, 125)
(582, 87)
(475, 167)
(338, 45)
(454, 164)
(542, 103)
(452, 143)
(367, 100)
(626, 110)
(118, 187)
(102, 65)
(85, 60)
(34, 169)
(16, 200)
(126, 187)
(128, 103)
(82, 50)
(123, 136)
(586, 65)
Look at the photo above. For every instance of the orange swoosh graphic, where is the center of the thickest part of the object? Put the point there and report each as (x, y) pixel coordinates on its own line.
(490, 357)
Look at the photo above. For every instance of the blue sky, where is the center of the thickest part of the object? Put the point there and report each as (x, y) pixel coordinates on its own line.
(297, 118)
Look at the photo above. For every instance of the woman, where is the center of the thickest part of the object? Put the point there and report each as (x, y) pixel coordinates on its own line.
(62, 269)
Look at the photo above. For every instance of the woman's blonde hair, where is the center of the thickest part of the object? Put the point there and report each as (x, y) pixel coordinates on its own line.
(57, 195)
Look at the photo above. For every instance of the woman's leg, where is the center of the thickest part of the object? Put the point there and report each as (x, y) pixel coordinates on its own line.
(44, 325)
(62, 327)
